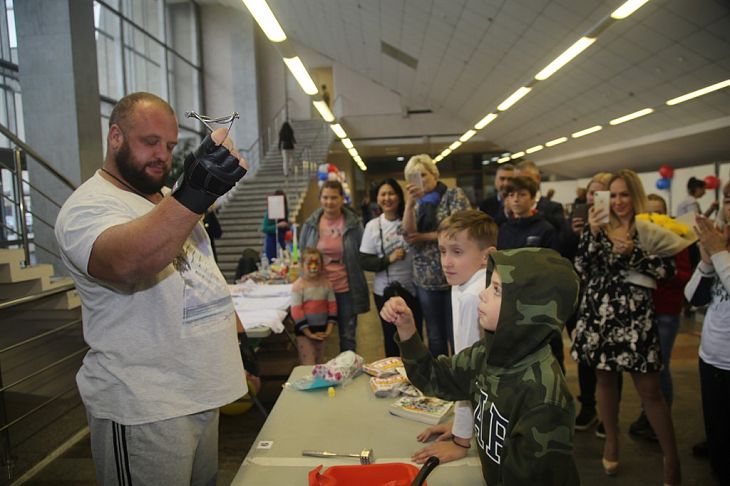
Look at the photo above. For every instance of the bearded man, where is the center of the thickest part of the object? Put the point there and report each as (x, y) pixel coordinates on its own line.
(157, 313)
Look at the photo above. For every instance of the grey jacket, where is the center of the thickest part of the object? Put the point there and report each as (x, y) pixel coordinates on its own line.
(351, 249)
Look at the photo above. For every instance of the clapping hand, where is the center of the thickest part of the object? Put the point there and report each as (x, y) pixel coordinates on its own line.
(712, 240)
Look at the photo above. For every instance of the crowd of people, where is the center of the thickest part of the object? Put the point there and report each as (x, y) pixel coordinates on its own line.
(495, 287)
(626, 316)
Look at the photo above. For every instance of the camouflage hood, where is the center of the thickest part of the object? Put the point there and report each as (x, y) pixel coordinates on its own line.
(539, 293)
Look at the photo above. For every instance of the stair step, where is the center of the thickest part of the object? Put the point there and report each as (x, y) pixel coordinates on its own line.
(13, 272)
(15, 290)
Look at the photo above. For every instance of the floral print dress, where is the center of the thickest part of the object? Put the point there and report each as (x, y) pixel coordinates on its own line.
(615, 329)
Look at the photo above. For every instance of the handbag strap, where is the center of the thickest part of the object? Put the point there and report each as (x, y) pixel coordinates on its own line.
(382, 248)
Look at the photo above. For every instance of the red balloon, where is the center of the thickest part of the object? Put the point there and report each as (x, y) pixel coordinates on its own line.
(289, 235)
(712, 182)
(666, 172)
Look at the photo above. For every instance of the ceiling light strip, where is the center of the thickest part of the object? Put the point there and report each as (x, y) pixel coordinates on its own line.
(534, 149)
(265, 18)
(467, 135)
(347, 143)
(485, 121)
(570, 53)
(300, 73)
(514, 98)
(338, 130)
(631, 116)
(699, 92)
(516, 155)
(587, 131)
(324, 110)
(556, 141)
(627, 9)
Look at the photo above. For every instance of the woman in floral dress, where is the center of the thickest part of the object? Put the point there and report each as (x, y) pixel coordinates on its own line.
(615, 331)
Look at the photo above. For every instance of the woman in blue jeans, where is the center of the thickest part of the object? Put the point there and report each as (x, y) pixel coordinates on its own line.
(428, 202)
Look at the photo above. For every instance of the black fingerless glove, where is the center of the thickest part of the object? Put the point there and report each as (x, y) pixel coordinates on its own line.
(209, 172)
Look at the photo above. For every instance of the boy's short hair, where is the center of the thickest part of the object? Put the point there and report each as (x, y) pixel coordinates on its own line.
(658, 198)
(478, 225)
(522, 183)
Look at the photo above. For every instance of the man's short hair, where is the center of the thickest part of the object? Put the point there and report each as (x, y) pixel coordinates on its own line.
(125, 107)
(332, 184)
(522, 182)
(479, 227)
(507, 167)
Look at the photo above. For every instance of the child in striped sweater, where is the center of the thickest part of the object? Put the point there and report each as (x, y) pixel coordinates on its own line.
(313, 308)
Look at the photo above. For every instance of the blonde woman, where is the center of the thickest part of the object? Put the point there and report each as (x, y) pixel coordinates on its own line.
(428, 202)
(616, 331)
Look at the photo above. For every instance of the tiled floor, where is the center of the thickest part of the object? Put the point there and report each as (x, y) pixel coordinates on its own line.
(640, 460)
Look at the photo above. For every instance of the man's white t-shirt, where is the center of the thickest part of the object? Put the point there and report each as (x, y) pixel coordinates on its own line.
(162, 348)
(400, 271)
(465, 316)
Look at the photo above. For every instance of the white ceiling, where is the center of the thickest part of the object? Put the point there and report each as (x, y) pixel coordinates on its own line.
(473, 53)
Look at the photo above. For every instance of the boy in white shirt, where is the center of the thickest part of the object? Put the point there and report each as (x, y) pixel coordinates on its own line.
(465, 240)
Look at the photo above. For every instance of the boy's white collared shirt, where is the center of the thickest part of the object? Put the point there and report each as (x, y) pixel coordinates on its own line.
(465, 314)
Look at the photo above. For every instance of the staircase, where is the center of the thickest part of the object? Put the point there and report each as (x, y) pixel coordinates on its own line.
(241, 216)
(17, 280)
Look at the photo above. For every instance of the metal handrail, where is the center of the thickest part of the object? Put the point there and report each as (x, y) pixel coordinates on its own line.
(36, 408)
(42, 335)
(44, 369)
(38, 158)
(31, 298)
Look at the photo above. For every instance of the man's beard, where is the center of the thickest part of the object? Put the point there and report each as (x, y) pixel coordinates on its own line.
(137, 177)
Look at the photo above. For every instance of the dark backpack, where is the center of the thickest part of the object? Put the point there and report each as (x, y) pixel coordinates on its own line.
(247, 263)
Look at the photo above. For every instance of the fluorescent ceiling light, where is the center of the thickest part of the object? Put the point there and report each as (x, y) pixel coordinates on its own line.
(347, 143)
(446, 152)
(699, 92)
(324, 110)
(534, 149)
(265, 18)
(564, 58)
(485, 121)
(438, 158)
(586, 131)
(353, 152)
(300, 73)
(516, 155)
(503, 160)
(627, 9)
(467, 135)
(400, 158)
(339, 131)
(514, 98)
(556, 141)
(631, 116)
(455, 145)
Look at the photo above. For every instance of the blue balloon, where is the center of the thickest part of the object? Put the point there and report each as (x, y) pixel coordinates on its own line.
(663, 183)
(322, 176)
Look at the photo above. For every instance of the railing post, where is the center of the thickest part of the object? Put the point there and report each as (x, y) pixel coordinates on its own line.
(21, 203)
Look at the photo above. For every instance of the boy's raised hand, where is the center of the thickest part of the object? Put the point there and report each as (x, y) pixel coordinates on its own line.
(397, 312)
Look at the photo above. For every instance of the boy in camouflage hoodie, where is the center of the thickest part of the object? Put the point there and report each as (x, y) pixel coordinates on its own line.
(523, 410)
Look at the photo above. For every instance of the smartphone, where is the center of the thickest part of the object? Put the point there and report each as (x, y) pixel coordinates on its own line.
(602, 200)
(415, 179)
(580, 211)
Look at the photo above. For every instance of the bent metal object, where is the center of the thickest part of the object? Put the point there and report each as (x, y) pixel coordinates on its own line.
(366, 456)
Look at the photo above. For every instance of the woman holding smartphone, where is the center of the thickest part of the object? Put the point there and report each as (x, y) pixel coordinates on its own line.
(428, 202)
(616, 331)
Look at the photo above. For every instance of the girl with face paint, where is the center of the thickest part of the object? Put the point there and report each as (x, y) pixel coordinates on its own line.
(313, 308)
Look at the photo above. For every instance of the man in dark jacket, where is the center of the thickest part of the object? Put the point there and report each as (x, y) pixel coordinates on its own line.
(494, 204)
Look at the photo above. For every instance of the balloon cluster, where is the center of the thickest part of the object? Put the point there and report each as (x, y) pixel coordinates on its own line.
(665, 182)
(329, 172)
